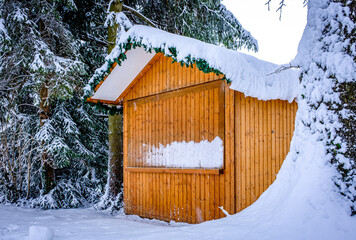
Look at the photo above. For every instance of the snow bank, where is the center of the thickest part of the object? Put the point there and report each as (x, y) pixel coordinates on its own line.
(40, 233)
(247, 74)
(203, 154)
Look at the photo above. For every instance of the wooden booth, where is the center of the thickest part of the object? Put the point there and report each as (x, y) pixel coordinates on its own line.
(192, 145)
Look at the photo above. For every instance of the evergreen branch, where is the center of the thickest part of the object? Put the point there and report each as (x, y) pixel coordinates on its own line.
(224, 19)
(183, 11)
(210, 10)
(241, 32)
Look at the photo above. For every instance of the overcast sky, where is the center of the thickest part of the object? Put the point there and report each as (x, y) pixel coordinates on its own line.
(277, 40)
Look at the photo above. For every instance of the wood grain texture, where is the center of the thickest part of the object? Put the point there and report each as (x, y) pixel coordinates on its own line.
(174, 170)
(262, 142)
(167, 76)
(186, 114)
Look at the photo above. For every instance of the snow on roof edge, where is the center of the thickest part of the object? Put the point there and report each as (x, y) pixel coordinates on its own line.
(246, 73)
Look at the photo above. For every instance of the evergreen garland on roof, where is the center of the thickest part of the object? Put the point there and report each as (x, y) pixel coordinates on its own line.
(133, 43)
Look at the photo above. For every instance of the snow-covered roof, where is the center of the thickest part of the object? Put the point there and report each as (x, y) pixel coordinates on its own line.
(246, 73)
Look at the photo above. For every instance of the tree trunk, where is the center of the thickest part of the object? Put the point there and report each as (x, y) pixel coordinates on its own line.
(47, 170)
(116, 6)
(115, 126)
(116, 154)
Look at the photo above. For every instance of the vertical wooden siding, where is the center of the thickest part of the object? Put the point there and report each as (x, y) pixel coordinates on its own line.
(205, 119)
(263, 131)
(192, 114)
(164, 76)
(174, 103)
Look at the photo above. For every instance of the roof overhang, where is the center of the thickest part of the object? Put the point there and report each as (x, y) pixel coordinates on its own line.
(113, 88)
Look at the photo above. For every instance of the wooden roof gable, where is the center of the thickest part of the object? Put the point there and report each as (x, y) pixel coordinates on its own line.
(121, 78)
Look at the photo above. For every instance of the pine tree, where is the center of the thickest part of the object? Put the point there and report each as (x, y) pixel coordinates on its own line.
(46, 52)
(62, 141)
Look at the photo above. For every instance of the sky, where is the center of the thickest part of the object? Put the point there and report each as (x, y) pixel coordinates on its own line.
(277, 39)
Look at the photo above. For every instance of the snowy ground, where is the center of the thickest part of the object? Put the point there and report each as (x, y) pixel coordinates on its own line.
(78, 224)
(90, 224)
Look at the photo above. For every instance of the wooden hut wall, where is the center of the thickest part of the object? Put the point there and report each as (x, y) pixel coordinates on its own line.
(163, 75)
(263, 131)
(173, 103)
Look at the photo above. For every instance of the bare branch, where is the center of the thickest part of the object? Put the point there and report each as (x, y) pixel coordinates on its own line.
(283, 68)
(101, 115)
(281, 5)
(29, 105)
(148, 21)
(268, 4)
(89, 37)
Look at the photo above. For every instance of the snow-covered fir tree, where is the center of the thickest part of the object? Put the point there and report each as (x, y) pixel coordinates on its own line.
(53, 145)
(327, 106)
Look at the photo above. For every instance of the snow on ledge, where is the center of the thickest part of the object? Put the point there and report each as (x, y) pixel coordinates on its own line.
(204, 154)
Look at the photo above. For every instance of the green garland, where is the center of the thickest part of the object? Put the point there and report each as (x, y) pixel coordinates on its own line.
(189, 61)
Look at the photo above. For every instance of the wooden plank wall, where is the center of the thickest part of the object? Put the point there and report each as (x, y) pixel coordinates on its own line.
(190, 113)
(263, 131)
(166, 76)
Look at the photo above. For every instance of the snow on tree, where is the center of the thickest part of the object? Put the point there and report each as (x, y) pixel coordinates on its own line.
(326, 112)
(57, 144)
(327, 109)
